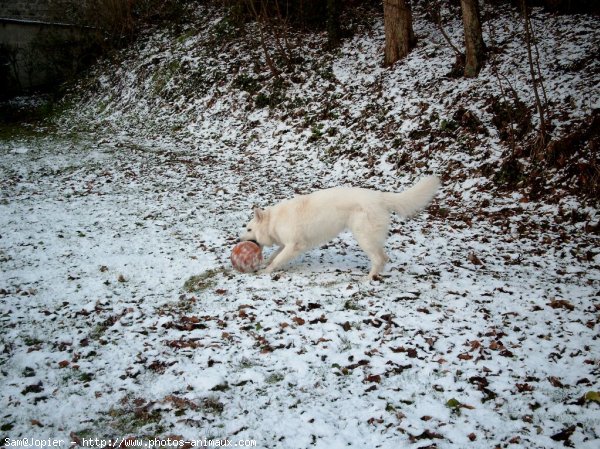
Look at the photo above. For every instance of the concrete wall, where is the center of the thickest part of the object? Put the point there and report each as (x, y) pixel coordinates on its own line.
(31, 34)
(38, 10)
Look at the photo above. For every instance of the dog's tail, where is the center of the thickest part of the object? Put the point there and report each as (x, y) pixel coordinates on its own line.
(411, 201)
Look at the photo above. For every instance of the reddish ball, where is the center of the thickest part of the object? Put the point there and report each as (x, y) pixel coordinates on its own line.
(246, 257)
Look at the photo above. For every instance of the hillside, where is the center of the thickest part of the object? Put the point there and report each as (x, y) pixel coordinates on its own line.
(122, 318)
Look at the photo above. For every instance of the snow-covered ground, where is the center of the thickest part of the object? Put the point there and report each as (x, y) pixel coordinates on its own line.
(121, 317)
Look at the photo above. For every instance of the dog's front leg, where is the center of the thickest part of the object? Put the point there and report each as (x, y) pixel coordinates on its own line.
(274, 255)
(285, 254)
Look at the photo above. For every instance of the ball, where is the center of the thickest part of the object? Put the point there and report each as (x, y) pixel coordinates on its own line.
(246, 257)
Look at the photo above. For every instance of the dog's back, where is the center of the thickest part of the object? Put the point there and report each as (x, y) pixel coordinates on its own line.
(320, 216)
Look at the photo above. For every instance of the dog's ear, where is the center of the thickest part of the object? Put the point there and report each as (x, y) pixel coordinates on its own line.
(259, 214)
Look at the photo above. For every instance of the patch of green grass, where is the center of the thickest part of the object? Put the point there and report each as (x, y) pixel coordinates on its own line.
(345, 344)
(327, 73)
(86, 377)
(316, 133)
(31, 341)
(201, 282)
(246, 83)
(448, 125)
(98, 331)
(274, 98)
(511, 173)
(163, 76)
(129, 421)
(246, 363)
(224, 28)
(351, 305)
(213, 405)
(274, 378)
(19, 118)
(262, 100)
(221, 387)
(185, 36)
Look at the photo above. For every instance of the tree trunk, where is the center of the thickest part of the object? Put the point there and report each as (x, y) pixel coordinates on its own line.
(333, 23)
(474, 46)
(399, 34)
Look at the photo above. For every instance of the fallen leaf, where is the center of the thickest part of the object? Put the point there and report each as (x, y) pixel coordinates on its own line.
(495, 345)
(564, 434)
(561, 304)
(522, 388)
(375, 421)
(555, 382)
(426, 435)
(474, 259)
(373, 378)
(475, 344)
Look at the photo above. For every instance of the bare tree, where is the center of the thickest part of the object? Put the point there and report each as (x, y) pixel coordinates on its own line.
(399, 34)
(474, 45)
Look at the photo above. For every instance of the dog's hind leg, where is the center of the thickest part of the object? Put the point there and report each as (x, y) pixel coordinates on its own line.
(377, 256)
(370, 234)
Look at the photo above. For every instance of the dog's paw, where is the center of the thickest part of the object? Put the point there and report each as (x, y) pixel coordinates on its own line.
(370, 278)
(266, 272)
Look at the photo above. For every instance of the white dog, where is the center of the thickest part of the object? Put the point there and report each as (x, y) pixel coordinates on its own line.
(305, 221)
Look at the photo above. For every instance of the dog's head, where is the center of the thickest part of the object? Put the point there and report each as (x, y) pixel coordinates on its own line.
(257, 228)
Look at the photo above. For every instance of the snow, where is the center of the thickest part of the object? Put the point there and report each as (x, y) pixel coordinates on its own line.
(106, 220)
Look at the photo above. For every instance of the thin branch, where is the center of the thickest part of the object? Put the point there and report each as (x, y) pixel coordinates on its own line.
(260, 21)
(511, 131)
(538, 102)
(539, 71)
(438, 16)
